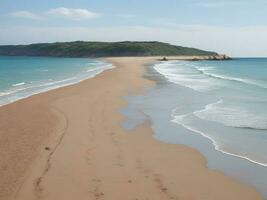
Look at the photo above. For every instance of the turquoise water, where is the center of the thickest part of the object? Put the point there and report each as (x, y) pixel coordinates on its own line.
(218, 108)
(21, 77)
(236, 119)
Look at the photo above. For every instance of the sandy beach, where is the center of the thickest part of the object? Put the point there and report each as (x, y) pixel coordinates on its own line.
(68, 144)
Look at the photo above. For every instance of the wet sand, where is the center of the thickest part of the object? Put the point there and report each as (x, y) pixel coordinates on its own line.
(68, 144)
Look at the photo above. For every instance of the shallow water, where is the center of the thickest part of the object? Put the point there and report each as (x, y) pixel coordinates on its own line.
(239, 108)
(22, 76)
(174, 110)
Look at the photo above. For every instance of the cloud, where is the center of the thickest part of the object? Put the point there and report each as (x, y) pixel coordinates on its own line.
(71, 13)
(62, 12)
(212, 4)
(26, 15)
(234, 41)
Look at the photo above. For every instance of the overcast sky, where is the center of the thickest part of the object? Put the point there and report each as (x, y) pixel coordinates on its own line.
(234, 27)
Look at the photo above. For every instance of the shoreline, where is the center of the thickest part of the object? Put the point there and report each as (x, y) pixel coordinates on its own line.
(81, 123)
(29, 87)
(214, 142)
(105, 67)
(216, 146)
(166, 100)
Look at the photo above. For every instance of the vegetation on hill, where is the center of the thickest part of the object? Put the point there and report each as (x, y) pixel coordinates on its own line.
(101, 49)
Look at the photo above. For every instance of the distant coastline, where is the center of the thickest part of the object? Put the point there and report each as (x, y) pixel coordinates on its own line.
(108, 49)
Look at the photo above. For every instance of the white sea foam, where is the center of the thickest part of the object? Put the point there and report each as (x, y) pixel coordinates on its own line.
(42, 70)
(232, 116)
(180, 119)
(186, 74)
(99, 67)
(231, 78)
(32, 88)
(203, 79)
(5, 93)
(19, 84)
(181, 75)
(12, 91)
(199, 78)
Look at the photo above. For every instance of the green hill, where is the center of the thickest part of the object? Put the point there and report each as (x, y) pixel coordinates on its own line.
(101, 49)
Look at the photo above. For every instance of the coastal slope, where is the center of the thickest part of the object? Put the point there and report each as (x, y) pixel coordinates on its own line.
(102, 49)
(82, 152)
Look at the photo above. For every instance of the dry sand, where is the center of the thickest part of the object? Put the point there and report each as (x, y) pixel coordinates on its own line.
(68, 144)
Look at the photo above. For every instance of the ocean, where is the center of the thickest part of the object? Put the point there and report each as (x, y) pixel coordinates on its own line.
(22, 76)
(216, 107)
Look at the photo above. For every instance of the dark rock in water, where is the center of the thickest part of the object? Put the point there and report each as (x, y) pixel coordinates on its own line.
(194, 59)
(211, 58)
(219, 57)
(164, 59)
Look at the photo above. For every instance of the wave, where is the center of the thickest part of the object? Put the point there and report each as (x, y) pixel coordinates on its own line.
(19, 84)
(34, 85)
(230, 78)
(32, 88)
(192, 76)
(99, 67)
(217, 145)
(12, 91)
(183, 76)
(42, 70)
(232, 116)
(5, 93)
(199, 78)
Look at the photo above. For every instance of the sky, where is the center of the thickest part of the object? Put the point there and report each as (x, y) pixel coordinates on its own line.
(232, 27)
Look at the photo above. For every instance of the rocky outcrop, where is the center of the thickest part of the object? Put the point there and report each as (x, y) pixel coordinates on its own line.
(213, 57)
(219, 57)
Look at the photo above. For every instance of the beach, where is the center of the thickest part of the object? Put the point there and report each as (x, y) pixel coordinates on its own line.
(68, 143)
